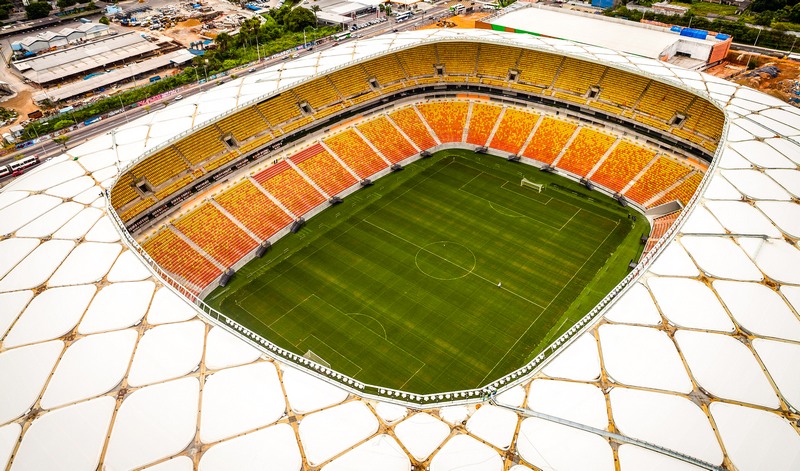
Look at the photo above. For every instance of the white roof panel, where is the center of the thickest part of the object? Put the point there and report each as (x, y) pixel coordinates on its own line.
(240, 399)
(274, 448)
(153, 423)
(91, 366)
(166, 352)
(327, 433)
(725, 367)
(421, 434)
(50, 315)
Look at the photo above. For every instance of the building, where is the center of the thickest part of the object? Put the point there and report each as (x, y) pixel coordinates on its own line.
(65, 36)
(693, 51)
(666, 8)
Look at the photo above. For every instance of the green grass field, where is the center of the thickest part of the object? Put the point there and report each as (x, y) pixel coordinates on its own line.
(441, 277)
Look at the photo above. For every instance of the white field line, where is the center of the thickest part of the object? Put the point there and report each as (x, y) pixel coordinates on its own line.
(548, 305)
(448, 261)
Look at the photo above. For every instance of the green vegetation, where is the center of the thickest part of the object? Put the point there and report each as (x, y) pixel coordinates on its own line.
(37, 10)
(707, 8)
(281, 29)
(444, 276)
(6, 6)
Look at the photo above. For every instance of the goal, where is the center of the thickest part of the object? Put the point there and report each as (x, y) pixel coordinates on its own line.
(316, 359)
(534, 186)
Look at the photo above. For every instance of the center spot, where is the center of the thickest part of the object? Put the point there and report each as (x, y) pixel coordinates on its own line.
(445, 260)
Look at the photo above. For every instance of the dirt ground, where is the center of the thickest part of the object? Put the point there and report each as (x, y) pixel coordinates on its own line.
(784, 86)
(22, 103)
(459, 21)
(185, 32)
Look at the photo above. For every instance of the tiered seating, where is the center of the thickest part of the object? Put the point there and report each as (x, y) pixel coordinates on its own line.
(385, 70)
(298, 123)
(550, 138)
(328, 111)
(419, 61)
(221, 160)
(174, 186)
(682, 192)
(408, 120)
(356, 153)
(495, 61)
(577, 76)
(622, 164)
(458, 58)
(179, 258)
(318, 93)
(255, 143)
(622, 88)
(538, 68)
(160, 166)
(200, 145)
(321, 167)
(660, 176)
(660, 227)
(662, 101)
(285, 184)
(447, 119)
(350, 81)
(217, 235)
(481, 123)
(137, 208)
(123, 192)
(254, 209)
(513, 129)
(387, 139)
(244, 124)
(585, 151)
(705, 118)
(279, 109)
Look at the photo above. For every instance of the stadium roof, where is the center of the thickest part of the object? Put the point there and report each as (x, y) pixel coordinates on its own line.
(620, 35)
(102, 363)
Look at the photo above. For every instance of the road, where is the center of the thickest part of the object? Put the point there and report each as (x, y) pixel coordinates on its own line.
(48, 148)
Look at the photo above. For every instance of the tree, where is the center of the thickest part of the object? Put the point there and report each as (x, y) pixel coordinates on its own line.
(224, 41)
(299, 18)
(104, 19)
(315, 9)
(62, 139)
(37, 10)
(764, 18)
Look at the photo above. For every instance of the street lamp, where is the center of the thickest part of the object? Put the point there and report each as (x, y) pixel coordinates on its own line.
(305, 43)
(205, 70)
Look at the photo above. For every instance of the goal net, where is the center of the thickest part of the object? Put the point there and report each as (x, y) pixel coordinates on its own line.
(316, 359)
(529, 184)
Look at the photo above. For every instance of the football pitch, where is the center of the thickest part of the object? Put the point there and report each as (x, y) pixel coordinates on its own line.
(444, 276)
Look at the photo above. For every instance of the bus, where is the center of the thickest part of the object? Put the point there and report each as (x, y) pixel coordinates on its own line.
(341, 36)
(403, 16)
(18, 167)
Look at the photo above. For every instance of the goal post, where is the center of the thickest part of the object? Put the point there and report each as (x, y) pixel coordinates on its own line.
(316, 359)
(529, 184)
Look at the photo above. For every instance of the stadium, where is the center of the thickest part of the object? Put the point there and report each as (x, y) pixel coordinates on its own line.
(113, 358)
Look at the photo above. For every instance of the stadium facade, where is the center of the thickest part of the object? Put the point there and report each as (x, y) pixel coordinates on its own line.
(691, 364)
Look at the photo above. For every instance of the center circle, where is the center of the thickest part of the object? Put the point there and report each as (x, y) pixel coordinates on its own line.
(445, 260)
